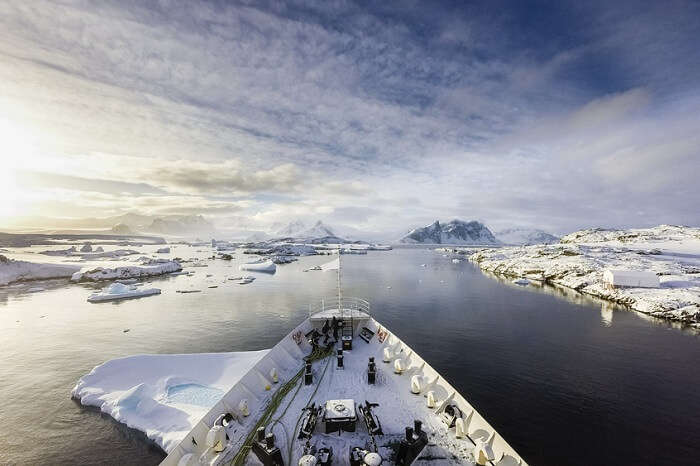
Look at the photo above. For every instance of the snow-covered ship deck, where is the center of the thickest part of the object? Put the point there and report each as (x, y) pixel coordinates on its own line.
(405, 389)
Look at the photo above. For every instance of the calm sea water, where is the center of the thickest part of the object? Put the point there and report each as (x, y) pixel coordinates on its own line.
(566, 380)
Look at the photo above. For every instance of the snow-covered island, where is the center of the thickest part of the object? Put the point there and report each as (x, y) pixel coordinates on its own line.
(15, 270)
(581, 258)
(163, 395)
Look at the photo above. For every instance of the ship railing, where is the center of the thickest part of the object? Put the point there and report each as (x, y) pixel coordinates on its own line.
(342, 305)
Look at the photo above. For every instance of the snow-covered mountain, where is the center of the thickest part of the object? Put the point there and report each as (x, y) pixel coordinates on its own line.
(174, 225)
(184, 225)
(454, 232)
(319, 230)
(289, 230)
(122, 229)
(525, 236)
(297, 230)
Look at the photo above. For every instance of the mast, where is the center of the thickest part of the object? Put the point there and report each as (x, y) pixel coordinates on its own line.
(340, 292)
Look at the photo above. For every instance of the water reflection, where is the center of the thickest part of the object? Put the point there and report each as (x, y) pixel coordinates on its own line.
(607, 308)
(606, 314)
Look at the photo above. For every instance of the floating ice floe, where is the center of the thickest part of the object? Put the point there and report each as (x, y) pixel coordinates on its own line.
(315, 267)
(521, 281)
(163, 395)
(245, 280)
(59, 252)
(131, 271)
(15, 271)
(117, 291)
(117, 253)
(264, 266)
(456, 261)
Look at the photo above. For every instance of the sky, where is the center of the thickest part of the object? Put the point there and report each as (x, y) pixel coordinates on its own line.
(380, 116)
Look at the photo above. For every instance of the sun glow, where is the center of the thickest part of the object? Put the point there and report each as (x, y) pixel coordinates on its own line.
(16, 151)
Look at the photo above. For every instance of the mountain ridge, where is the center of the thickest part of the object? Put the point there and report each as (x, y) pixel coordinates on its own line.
(453, 232)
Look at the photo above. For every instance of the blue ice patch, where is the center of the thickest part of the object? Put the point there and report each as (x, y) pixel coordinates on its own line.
(194, 394)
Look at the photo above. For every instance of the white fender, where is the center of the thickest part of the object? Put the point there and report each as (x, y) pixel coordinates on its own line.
(430, 399)
(243, 407)
(416, 384)
(273, 375)
(398, 366)
(460, 429)
(387, 355)
(216, 438)
(187, 460)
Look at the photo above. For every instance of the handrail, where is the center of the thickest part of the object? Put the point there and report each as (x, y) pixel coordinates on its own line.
(345, 303)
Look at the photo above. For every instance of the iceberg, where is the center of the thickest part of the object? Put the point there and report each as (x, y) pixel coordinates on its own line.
(117, 291)
(163, 395)
(265, 266)
(126, 272)
(16, 271)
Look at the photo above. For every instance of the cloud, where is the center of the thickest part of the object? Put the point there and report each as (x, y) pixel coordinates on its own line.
(225, 178)
(562, 117)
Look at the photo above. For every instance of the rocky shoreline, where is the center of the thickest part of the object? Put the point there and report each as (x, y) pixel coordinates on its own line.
(581, 266)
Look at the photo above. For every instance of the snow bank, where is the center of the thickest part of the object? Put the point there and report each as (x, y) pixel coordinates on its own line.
(117, 291)
(14, 270)
(165, 395)
(132, 271)
(582, 266)
(264, 266)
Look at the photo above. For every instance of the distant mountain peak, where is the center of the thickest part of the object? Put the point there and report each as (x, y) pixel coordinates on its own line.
(454, 232)
(290, 229)
(319, 230)
(525, 236)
